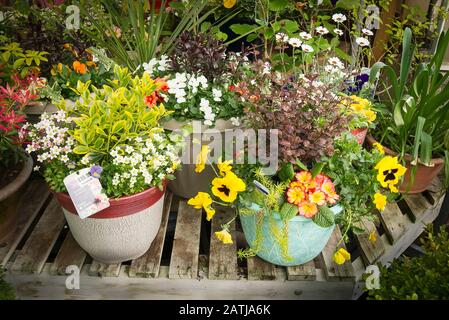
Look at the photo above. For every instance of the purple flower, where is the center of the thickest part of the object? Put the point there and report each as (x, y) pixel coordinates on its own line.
(359, 81)
(95, 171)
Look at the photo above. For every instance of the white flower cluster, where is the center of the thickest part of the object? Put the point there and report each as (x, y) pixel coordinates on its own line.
(154, 65)
(209, 115)
(183, 83)
(149, 160)
(296, 42)
(50, 139)
(334, 65)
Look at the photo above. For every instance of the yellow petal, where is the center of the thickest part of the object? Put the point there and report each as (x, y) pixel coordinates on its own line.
(224, 236)
(210, 212)
(372, 237)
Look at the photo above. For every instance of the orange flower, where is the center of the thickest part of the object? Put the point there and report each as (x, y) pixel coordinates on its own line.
(304, 176)
(79, 67)
(295, 196)
(318, 198)
(151, 100)
(308, 209)
(161, 84)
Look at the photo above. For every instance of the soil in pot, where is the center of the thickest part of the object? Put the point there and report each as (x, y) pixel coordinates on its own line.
(8, 175)
(424, 175)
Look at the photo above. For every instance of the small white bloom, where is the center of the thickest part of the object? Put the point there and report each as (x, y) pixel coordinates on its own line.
(36, 168)
(204, 103)
(321, 30)
(294, 42)
(367, 32)
(335, 62)
(266, 70)
(363, 42)
(305, 35)
(339, 17)
(281, 37)
(235, 121)
(217, 94)
(306, 48)
(338, 32)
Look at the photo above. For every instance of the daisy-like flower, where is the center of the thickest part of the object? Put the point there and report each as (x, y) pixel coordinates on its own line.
(308, 209)
(321, 30)
(306, 48)
(201, 159)
(281, 37)
(294, 42)
(338, 32)
(335, 62)
(362, 42)
(295, 196)
(227, 188)
(203, 201)
(339, 17)
(389, 171)
(224, 236)
(367, 32)
(380, 201)
(341, 256)
(305, 35)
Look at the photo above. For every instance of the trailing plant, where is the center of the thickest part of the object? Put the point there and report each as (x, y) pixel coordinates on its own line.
(418, 278)
(415, 118)
(114, 130)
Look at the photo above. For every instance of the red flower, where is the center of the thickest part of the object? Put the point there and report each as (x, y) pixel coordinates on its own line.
(161, 85)
(151, 100)
(232, 88)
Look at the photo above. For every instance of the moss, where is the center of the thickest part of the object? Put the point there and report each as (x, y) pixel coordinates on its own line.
(6, 290)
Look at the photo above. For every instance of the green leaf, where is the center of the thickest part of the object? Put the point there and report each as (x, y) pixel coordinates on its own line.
(446, 169)
(417, 142)
(301, 165)
(278, 5)
(317, 168)
(242, 29)
(348, 4)
(80, 150)
(288, 211)
(324, 218)
(426, 148)
(397, 115)
(286, 173)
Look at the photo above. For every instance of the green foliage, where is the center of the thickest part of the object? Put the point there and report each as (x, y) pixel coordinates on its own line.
(148, 34)
(324, 218)
(418, 278)
(415, 119)
(6, 291)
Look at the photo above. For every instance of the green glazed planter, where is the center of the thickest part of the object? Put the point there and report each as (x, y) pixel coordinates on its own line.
(306, 240)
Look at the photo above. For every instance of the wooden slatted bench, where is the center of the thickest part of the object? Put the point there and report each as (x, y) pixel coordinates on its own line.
(186, 261)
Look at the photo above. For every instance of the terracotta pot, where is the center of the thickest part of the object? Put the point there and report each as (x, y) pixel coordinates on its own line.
(188, 183)
(424, 174)
(121, 232)
(360, 134)
(9, 199)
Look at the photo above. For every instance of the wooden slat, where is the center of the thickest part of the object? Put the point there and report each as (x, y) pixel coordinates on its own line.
(417, 204)
(30, 203)
(394, 222)
(259, 269)
(306, 271)
(436, 190)
(223, 257)
(333, 271)
(70, 254)
(370, 251)
(184, 257)
(99, 269)
(148, 265)
(35, 252)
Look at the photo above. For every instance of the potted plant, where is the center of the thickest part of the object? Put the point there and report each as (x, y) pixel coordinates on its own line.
(203, 96)
(414, 121)
(18, 88)
(112, 134)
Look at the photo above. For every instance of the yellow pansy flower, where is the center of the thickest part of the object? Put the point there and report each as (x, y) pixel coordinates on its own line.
(341, 256)
(224, 236)
(380, 201)
(227, 188)
(203, 201)
(370, 115)
(224, 166)
(228, 4)
(389, 171)
(372, 237)
(379, 147)
(201, 159)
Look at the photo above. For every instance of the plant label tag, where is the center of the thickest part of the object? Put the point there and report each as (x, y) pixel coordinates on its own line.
(86, 193)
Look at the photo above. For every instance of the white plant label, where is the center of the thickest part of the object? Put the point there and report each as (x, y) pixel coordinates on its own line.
(86, 193)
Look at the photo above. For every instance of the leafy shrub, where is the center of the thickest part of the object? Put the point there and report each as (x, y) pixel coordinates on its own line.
(418, 278)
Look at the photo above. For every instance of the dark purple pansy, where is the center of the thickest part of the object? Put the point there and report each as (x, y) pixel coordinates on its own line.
(358, 83)
(95, 171)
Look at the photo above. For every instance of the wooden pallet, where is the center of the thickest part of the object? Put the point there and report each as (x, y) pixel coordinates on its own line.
(40, 248)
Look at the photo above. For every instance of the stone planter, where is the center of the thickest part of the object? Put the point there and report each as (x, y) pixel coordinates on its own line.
(121, 232)
(305, 238)
(424, 174)
(188, 183)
